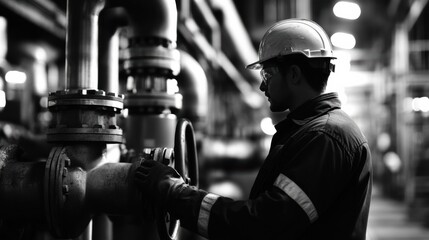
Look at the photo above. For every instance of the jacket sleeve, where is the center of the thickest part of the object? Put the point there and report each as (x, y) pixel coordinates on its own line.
(272, 214)
(304, 189)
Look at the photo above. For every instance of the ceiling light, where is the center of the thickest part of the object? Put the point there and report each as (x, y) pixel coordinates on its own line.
(347, 10)
(343, 40)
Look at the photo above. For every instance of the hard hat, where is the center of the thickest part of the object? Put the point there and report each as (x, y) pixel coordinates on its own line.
(293, 36)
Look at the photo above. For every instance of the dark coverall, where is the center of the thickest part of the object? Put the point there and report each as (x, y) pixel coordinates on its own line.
(314, 184)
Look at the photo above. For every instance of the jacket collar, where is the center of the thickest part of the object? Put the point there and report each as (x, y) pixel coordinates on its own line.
(311, 109)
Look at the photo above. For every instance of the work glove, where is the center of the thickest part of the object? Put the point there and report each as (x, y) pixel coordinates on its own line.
(164, 189)
(158, 182)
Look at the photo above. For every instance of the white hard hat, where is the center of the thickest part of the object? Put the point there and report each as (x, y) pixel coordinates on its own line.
(293, 36)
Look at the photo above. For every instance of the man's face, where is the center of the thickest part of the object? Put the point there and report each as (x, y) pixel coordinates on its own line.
(275, 88)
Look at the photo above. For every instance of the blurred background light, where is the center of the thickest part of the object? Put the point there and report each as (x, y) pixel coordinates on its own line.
(392, 161)
(347, 10)
(420, 104)
(343, 40)
(2, 99)
(343, 61)
(267, 126)
(172, 86)
(15, 77)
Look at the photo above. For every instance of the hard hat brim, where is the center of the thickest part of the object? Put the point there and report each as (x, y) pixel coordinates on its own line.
(260, 64)
(254, 66)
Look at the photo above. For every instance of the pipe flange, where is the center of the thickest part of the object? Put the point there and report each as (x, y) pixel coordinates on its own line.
(154, 100)
(85, 115)
(64, 191)
(53, 185)
(152, 57)
(85, 97)
(95, 134)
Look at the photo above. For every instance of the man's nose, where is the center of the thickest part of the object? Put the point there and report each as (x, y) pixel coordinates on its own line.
(263, 86)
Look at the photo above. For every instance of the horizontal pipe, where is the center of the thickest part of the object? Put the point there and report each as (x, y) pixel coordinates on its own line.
(21, 191)
(111, 190)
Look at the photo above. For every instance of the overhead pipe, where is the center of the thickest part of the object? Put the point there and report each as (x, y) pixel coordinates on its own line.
(237, 34)
(190, 30)
(210, 20)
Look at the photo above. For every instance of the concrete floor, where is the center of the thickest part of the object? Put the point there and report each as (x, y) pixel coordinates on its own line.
(388, 220)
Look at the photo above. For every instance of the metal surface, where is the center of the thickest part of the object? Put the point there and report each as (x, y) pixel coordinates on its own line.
(111, 20)
(153, 19)
(75, 190)
(151, 100)
(84, 115)
(193, 86)
(82, 43)
(65, 217)
(150, 131)
(21, 187)
(184, 160)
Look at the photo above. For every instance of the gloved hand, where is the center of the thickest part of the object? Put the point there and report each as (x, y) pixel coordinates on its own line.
(158, 182)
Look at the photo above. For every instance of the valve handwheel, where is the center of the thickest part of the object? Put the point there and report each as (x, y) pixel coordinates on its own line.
(186, 164)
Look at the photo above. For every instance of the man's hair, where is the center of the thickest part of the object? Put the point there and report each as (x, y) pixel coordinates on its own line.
(315, 70)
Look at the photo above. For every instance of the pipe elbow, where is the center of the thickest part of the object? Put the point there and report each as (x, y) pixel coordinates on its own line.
(153, 18)
(193, 86)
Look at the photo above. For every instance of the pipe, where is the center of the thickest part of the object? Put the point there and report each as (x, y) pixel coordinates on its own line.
(149, 62)
(153, 19)
(193, 85)
(237, 34)
(252, 98)
(108, 44)
(82, 43)
(21, 187)
(74, 190)
(65, 191)
(210, 20)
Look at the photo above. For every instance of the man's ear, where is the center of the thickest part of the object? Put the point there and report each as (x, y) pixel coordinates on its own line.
(295, 74)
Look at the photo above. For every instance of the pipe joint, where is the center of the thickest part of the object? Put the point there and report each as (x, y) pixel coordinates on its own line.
(85, 115)
(74, 193)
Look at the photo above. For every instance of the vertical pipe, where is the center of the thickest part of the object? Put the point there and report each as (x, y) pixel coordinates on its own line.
(150, 60)
(82, 43)
(102, 228)
(193, 85)
(108, 44)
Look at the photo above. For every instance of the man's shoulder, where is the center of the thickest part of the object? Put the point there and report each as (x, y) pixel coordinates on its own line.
(338, 125)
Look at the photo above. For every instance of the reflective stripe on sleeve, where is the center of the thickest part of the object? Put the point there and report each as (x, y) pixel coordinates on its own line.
(204, 214)
(297, 194)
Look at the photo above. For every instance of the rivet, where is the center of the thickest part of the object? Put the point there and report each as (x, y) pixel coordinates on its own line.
(65, 172)
(67, 162)
(66, 189)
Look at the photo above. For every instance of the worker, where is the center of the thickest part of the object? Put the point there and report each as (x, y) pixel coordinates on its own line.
(315, 182)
